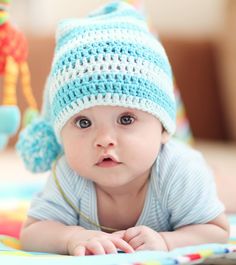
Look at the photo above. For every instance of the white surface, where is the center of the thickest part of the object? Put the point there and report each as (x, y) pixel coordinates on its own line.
(185, 17)
(12, 168)
(233, 231)
(219, 154)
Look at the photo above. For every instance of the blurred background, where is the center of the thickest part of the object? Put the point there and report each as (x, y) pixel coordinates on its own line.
(200, 40)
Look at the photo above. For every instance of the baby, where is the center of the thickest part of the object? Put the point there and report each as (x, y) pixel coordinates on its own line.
(119, 182)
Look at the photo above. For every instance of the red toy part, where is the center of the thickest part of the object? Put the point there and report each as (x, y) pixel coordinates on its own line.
(10, 228)
(194, 256)
(12, 43)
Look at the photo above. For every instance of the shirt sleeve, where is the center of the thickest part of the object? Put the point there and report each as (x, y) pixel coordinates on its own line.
(190, 193)
(49, 204)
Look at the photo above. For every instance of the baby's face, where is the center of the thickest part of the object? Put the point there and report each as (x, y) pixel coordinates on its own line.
(113, 146)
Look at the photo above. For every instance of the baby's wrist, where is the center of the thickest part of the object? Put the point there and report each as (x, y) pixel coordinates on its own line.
(68, 235)
(165, 242)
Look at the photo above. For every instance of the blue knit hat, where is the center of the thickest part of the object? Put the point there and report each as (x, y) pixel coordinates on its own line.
(107, 58)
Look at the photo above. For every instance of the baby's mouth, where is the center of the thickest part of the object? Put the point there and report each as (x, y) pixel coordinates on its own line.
(107, 161)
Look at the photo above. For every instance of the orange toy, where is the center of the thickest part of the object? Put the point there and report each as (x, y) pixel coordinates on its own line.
(13, 55)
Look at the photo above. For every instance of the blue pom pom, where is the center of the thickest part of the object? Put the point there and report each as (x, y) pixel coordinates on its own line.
(38, 146)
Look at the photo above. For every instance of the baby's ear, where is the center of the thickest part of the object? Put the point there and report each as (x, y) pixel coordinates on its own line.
(165, 137)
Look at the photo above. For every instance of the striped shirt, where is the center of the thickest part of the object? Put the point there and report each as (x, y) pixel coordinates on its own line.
(181, 191)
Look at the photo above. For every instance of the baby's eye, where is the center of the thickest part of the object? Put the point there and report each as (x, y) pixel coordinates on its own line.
(126, 119)
(83, 123)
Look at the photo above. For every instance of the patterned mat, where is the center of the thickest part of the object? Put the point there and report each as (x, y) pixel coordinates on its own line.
(14, 202)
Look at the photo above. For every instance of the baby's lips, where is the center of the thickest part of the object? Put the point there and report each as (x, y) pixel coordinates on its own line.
(106, 157)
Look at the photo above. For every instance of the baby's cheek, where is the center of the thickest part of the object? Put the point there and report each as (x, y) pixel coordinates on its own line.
(151, 151)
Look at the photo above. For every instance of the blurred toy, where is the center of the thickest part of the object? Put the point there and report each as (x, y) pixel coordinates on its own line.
(13, 55)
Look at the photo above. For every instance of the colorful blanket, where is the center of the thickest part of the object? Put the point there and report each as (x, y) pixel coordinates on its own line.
(14, 202)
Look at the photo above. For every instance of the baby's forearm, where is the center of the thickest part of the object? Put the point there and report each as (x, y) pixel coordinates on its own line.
(195, 235)
(54, 237)
(47, 236)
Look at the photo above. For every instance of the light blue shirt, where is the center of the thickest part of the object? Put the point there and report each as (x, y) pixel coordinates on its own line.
(181, 191)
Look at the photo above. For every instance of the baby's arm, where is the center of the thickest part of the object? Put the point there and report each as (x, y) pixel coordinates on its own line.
(144, 238)
(55, 237)
(216, 231)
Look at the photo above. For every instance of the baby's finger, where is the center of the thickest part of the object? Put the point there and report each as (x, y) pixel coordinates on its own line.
(131, 233)
(119, 234)
(108, 246)
(142, 247)
(136, 242)
(79, 251)
(122, 245)
(95, 247)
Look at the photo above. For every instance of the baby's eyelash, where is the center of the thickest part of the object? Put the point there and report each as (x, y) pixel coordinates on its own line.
(126, 119)
(129, 114)
(82, 122)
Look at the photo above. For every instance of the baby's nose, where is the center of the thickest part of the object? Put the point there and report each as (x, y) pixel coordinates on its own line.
(105, 139)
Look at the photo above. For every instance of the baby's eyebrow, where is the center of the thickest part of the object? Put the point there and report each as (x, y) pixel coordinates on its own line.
(124, 109)
(128, 113)
(78, 116)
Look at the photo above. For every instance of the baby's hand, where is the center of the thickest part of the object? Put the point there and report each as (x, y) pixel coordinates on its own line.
(143, 238)
(87, 242)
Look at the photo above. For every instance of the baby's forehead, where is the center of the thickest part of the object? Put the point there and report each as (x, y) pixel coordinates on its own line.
(103, 111)
(108, 109)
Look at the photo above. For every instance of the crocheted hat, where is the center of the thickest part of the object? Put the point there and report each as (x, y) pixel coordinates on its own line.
(107, 58)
